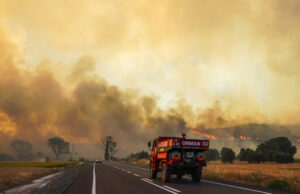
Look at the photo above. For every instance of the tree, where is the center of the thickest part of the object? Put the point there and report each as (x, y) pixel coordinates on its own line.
(251, 156)
(242, 155)
(106, 154)
(211, 154)
(110, 147)
(248, 155)
(59, 146)
(278, 149)
(227, 155)
(22, 149)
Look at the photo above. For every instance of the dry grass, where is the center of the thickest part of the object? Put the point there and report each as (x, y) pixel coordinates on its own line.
(255, 174)
(55, 164)
(15, 173)
(12, 176)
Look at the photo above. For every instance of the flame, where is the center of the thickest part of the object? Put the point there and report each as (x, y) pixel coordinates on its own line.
(194, 131)
(232, 138)
(205, 135)
(210, 136)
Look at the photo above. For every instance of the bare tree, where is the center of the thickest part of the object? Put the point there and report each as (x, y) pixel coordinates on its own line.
(22, 148)
(109, 145)
(59, 146)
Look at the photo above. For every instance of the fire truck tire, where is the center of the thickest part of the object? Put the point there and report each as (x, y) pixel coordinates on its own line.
(166, 174)
(196, 176)
(153, 173)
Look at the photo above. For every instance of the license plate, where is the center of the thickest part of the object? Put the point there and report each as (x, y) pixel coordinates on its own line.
(189, 154)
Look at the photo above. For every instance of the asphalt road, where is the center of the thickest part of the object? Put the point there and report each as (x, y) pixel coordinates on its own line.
(113, 177)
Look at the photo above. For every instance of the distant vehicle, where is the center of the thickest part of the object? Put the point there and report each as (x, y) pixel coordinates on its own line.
(175, 155)
(98, 161)
(81, 159)
(70, 159)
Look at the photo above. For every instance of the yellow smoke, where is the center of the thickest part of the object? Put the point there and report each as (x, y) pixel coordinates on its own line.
(66, 66)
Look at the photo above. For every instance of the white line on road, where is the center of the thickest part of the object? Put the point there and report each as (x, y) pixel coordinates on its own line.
(172, 189)
(128, 171)
(94, 181)
(237, 187)
(159, 186)
(148, 179)
(136, 175)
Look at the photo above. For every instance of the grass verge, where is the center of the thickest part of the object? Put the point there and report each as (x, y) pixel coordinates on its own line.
(56, 164)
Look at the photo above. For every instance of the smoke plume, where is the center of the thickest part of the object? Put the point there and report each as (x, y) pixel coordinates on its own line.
(226, 71)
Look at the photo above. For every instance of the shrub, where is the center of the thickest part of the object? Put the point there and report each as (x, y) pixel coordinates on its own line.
(279, 184)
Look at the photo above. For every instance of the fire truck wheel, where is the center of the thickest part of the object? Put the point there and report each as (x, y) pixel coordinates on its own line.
(196, 176)
(166, 174)
(153, 173)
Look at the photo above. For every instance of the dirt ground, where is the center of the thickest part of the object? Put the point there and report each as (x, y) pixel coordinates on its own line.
(12, 176)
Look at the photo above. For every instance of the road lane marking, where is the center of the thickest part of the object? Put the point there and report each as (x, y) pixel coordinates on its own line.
(128, 171)
(148, 179)
(136, 175)
(237, 187)
(94, 181)
(170, 191)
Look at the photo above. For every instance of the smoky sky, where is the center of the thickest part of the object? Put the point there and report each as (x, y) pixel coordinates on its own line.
(138, 69)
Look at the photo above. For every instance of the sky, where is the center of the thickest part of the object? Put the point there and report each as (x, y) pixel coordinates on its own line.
(235, 61)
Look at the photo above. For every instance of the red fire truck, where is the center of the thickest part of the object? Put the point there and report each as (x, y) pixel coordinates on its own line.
(177, 155)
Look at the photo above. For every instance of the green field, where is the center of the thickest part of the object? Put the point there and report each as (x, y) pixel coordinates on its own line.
(38, 164)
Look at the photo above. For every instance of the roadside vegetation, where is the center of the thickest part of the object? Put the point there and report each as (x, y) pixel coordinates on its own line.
(13, 176)
(23, 164)
(139, 159)
(22, 150)
(56, 164)
(15, 173)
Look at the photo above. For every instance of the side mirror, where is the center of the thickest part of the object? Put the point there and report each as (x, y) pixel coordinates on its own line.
(149, 144)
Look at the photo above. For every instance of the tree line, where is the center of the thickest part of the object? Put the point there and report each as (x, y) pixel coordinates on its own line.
(23, 150)
(279, 150)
